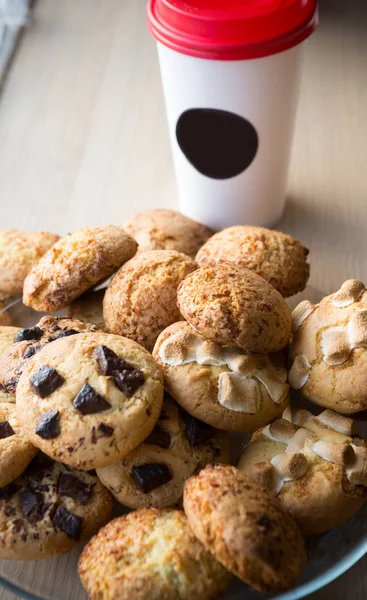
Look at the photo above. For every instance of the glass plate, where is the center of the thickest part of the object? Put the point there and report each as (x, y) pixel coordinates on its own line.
(330, 554)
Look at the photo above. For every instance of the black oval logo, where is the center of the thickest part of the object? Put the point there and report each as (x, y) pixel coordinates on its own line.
(218, 143)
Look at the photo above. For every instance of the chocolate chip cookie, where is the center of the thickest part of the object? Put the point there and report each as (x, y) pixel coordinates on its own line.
(87, 400)
(7, 337)
(154, 473)
(49, 510)
(74, 264)
(16, 451)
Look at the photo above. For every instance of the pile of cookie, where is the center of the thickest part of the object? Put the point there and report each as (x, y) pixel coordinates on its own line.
(131, 392)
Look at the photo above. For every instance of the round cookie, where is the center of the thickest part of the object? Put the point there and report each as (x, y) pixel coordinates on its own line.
(150, 553)
(328, 353)
(74, 264)
(221, 385)
(19, 251)
(16, 451)
(88, 308)
(233, 306)
(318, 473)
(89, 399)
(163, 229)
(278, 258)
(29, 341)
(245, 528)
(154, 473)
(49, 510)
(7, 337)
(141, 299)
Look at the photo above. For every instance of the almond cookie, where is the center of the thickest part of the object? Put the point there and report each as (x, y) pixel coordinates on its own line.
(314, 465)
(150, 554)
(141, 299)
(49, 510)
(89, 399)
(154, 473)
(328, 352)
(221, 385)
(245, 528)
(162, 229)
(76, 263)
(275, 256)
(88, 308)
(19, 251)
(7, 337)
(233, 306)
(29, 341)
(16, 452)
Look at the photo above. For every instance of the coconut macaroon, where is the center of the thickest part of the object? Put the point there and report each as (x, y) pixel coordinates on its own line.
(277, 257)
(316, 466)
(329, 349)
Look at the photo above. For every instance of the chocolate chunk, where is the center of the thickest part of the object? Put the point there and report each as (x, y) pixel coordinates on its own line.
(62, 334)
(33, 333)
(11, 385)
(45, 381)
(6, 430)
(88, 401)
(196, 431)
(105, 430)
(158, 437)
(31, 351)
(32, 506)
(8, 491)
(150, 476)
(68, 522)
(48, 425)
(74, 488)
(10, 511)
(128, 381)
(109, 362)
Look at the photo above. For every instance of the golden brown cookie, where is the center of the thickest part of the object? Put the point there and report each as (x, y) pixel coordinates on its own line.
(88, 308)
(141, 299)
(49, 510)
(245, 528)
(19, 251)
(29, 341)
(221, 385)
(150, 553)
(233, 306)
(5, 397)
(154, 473)
(163, 229)
(16, 452)
(76, 263)
(275, 256)
(7, 337)
(87, 400)
(318, 474)
(328, 352)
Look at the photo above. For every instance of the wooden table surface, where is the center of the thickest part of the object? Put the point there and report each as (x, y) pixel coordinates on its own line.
(83, 140)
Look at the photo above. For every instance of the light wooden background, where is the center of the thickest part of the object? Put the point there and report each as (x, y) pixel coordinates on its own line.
(83, 140)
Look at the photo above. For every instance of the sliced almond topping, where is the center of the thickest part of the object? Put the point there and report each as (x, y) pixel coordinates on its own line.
(296, 415)
(349, 292)
(290, 466)
(340, 454)
(335, 345)
(357, 329)
(298, 441)
(263, 474)
(339, 423)
(239, 394)
(357, 472)
(299, 372)
(276, 388)
(280, 431)
(300, 314)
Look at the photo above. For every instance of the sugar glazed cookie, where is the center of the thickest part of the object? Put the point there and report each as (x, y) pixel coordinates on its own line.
(76, 263)
(151, 554)
(88, 308)
(275, 256)
(29, 341)
(221, 385)
(141, 299)
(328, 352)
(314, 465)
(19, 251)
(154, 473)
(245, 528)
(233, 306)
(162, 229)
(89, 399)
(16, 451)
(49, 510)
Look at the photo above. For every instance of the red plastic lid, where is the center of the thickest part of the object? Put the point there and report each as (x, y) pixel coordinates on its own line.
(231, 29)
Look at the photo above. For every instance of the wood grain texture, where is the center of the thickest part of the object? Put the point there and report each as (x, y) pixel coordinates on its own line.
(83, 139)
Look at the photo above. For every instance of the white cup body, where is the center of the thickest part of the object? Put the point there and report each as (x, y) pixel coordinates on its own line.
(264, 91)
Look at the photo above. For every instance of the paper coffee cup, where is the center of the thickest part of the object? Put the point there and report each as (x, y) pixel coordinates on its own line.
(230, 72)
